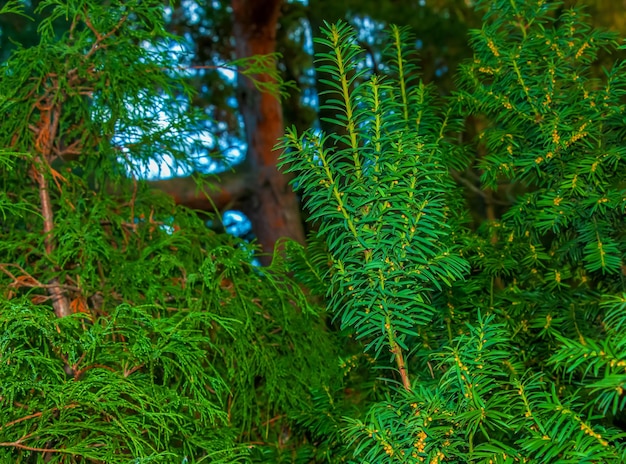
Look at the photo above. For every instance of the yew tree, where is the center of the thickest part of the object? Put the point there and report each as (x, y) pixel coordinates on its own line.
(501, 343)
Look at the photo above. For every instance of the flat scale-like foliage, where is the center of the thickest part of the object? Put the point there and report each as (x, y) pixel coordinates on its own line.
(129, 331)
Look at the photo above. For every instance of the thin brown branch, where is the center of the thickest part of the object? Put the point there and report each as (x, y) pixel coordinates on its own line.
(404, 375)
(27, 280)
(21, 419)
(231, 190)
(126, 225)
(99, 37)
(46, 210)
(272, 420)
(17, 444)
(32, 416)
(59, 300)
(46, 133)
(78, 373)
(73, 150)
(396, 350)
(128, 372)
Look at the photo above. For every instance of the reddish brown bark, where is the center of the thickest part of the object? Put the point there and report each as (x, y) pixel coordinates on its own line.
(231, 190)
(45, 135)
(274, 210)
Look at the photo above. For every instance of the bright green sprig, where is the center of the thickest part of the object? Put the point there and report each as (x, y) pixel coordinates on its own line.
(381, 204)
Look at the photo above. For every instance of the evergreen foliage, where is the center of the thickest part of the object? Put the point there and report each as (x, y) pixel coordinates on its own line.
(508, 339)
(129, 332)
(383, 203)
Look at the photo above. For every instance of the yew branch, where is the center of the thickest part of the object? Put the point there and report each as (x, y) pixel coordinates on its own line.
(396, 350)
(404, 375)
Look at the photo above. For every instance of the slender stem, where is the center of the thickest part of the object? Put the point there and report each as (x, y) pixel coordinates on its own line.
(46, 209)
(397, 353)
(344, 69)
(31, 416)
(46, 134)
(100, 38)
(21, 419)
(17, 444)
(404, 374)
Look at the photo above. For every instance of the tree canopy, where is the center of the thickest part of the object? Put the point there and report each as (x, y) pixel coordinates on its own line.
(460, 295)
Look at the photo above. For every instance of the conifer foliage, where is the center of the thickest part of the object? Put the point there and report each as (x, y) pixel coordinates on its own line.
(506, 342)
(381, 194)
(129, 332)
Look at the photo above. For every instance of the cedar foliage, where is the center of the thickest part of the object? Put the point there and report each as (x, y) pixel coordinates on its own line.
(499, 344)
(129, 332)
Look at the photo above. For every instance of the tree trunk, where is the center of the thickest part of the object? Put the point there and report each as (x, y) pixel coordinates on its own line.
(274, 210)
